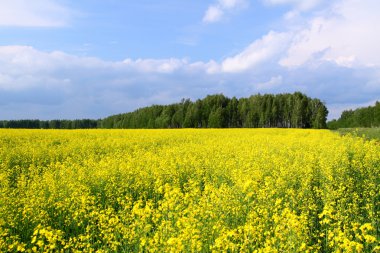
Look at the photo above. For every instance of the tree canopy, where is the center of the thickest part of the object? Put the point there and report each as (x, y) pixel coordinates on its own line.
(218, 111)
(361, 117)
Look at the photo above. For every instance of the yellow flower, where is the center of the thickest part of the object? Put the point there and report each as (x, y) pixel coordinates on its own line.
(187, 190)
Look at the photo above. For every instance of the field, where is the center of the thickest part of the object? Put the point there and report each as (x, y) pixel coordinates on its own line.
(232, 190)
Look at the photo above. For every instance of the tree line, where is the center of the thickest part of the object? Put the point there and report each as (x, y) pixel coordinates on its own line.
(361, 117)
(218, 111)
(50, 124)
(214, 111)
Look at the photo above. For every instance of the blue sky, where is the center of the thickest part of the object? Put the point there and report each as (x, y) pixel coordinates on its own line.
(90, 59)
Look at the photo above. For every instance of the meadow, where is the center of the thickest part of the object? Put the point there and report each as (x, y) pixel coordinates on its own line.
(188, 190)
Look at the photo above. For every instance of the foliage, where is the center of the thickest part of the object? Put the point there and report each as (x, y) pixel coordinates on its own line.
(50, 124)
(188, 190)
(217, 111)
(361, 117)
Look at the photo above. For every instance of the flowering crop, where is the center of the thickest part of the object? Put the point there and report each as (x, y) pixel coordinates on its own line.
(204, 190)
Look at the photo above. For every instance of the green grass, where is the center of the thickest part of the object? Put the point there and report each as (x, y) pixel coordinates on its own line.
(367, 133)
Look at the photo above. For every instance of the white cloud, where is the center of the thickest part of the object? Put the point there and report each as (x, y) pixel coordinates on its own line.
(51, 85)
(257, 53)
(39, 13)
(274, 82)
(230, 4)
(153, 65)
(59, 85)
(300, 5)
(215, 12)
(210, 67)
(347, 36)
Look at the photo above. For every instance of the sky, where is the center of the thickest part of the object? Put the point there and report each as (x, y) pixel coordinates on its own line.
(66, 59)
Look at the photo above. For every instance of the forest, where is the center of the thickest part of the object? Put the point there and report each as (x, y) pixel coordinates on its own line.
(361, 117)
(218, 111)
(214, 111)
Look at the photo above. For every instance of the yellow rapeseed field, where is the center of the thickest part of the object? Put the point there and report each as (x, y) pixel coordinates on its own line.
(203, 190)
